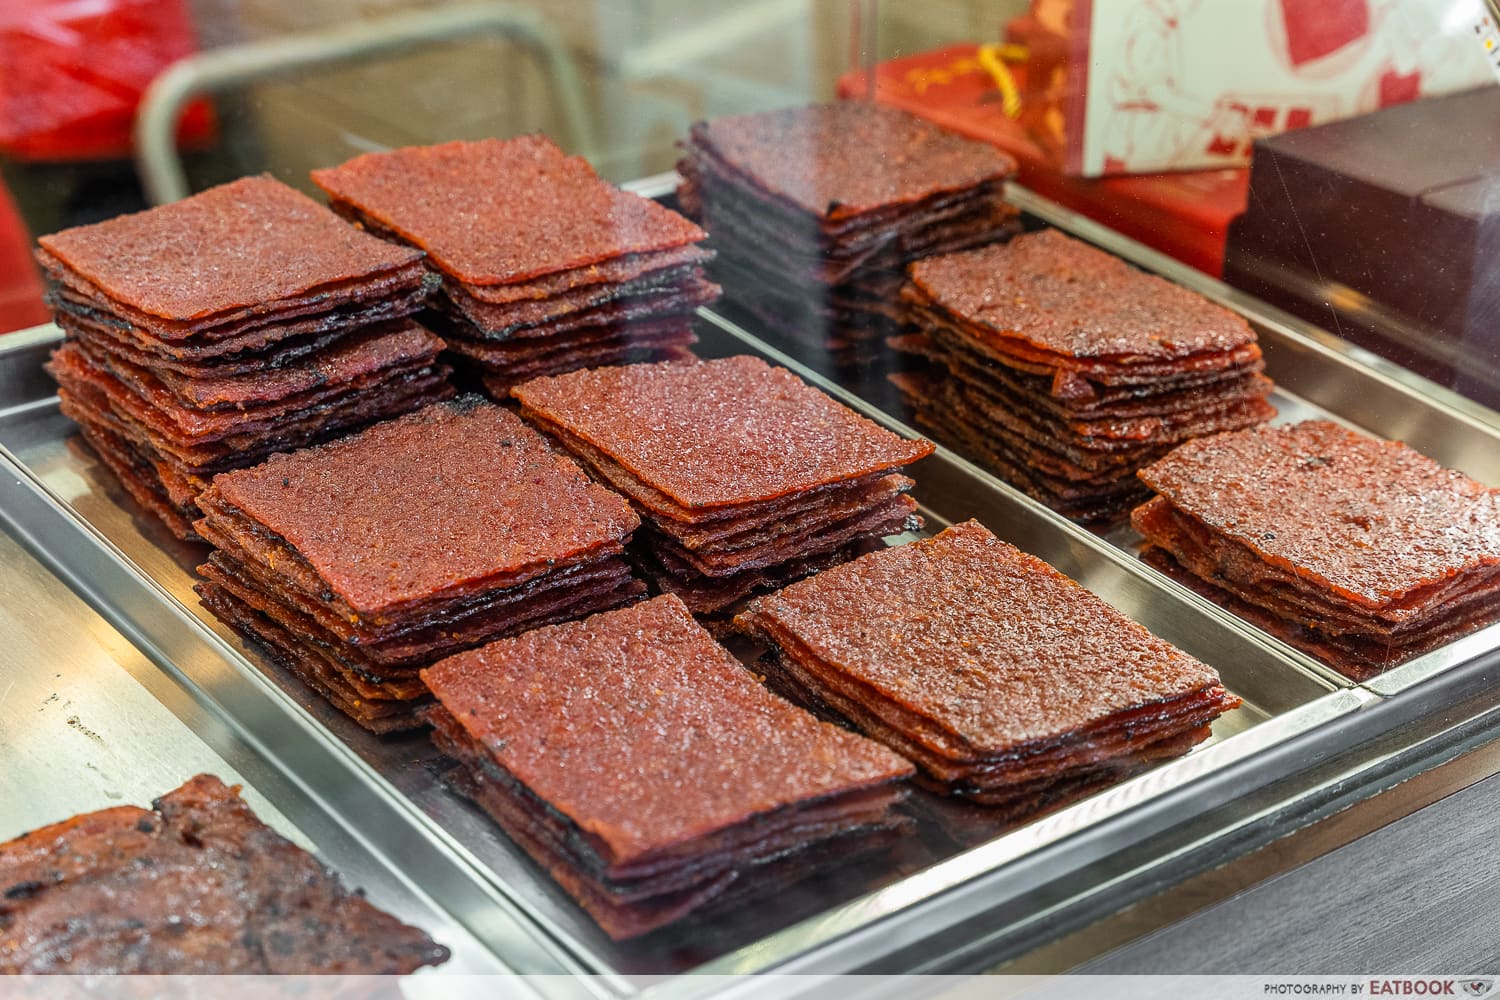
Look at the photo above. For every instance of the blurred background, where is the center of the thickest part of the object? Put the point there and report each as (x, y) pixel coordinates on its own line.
(646, 69)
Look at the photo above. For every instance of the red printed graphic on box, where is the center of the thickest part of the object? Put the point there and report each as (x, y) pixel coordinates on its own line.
(1185, 214)
(73, 71)
(1175, 84)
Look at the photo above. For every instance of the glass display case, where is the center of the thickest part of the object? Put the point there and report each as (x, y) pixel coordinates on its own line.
(1275, 160)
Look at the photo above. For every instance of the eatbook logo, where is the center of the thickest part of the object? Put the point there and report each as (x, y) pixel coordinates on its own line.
(1477, 987)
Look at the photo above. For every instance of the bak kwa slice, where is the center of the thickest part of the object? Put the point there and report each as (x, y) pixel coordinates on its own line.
(358, 562)
(249, 248)
(1006, 682)
(815, 210)
(195, 885)
(438, 503)
(737, 465)
(713, 434)
(200, 409)
(1065, 369)
(644, 768)
(558, 214)
(1361, 552)
(845, 163)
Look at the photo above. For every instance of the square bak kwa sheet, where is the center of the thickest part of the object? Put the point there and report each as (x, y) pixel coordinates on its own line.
(741, 468)
(248, 252)
(543, 249)
(357, 562)
(195, 885)
(1006, 682)
(525, 209)
(1065, 369)
(243, 407)
(644, 768)
(815, 210)
(1363, 553)
(842, 165)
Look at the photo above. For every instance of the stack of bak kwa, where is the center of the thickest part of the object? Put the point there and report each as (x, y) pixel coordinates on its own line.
(204, 335)
(814, 211)
(545, 266)
(647, 771)
(1005, 681)
(745, 476)
(1362, 553)
(358, 562)
(195, 885)
(1065, 370)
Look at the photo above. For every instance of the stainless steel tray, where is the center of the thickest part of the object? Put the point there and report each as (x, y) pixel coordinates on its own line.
(58, 499)
(958, 881)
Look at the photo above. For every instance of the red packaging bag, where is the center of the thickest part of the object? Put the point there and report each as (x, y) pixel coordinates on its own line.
(73, 71)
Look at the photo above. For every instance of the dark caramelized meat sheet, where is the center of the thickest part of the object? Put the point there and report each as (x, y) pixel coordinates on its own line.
(195, 885)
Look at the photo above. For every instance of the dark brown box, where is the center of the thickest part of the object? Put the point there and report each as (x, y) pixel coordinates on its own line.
(1385, 229)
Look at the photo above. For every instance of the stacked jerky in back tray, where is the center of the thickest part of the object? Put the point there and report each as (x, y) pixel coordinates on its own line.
(814, 212)
(1363, 553)
(1065, 370)
(650, 774)
(745, 476)
(360, 561)
(1007, 683)
(206, 334)
(546, 267)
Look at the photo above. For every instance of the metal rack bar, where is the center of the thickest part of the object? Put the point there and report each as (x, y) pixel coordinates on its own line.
(156, 156)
